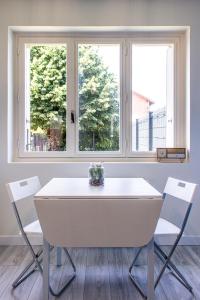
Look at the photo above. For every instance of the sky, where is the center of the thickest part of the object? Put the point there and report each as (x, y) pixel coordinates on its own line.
(149, 69)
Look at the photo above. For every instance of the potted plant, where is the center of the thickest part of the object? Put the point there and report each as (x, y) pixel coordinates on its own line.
(96, 174)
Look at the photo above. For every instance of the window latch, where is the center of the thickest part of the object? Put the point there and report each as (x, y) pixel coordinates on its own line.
(72, 117)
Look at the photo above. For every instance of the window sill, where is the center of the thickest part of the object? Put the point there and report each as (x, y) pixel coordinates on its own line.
(112, 160)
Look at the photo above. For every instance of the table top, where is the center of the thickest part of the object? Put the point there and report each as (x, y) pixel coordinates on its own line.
(113, 188)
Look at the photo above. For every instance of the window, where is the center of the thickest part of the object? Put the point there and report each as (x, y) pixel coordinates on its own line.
(152, 96)
(99, 96)
(45, 97)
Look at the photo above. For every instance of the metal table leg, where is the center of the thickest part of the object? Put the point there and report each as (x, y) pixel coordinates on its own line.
(46, 260)
(150, 271)
(59, 256)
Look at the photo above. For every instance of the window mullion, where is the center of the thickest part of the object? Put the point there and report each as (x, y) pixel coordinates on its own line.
(21, 102)
(71, 103)
(123, 98)
(127, 102)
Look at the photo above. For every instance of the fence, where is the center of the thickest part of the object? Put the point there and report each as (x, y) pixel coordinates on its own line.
(150, 132)
(52, 141)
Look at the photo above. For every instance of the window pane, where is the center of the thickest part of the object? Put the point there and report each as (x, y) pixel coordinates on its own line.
(45, 92)
(152, 97)
(99, 97)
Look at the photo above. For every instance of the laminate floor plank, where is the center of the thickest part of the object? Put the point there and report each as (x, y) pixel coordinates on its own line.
(129, 289)
(55, 277)
(11, 273)
(76, 289)
(191, 269)
(116, 274)
(170, 285)
(13, 258)
(102, 274)
(97, 275)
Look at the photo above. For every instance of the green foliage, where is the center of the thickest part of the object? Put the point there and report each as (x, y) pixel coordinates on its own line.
(48, 90)
(98, 103)
(98, 96)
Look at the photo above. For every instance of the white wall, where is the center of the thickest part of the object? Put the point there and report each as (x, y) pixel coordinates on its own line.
(99, 13)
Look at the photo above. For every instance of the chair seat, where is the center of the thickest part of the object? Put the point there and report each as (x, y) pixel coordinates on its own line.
(33, 228)
(165, 227)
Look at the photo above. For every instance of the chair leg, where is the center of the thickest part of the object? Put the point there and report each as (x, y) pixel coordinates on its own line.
(174, 270)
(150, 275)
(173, 273)
(132, 276)
(47, 286)
(23, 275)
(135, 259)
(70, 259)
(37, 261)
(59, 292)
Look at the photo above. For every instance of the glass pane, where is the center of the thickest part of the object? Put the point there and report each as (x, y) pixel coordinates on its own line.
(152, 97)
(99, 97)
(45, 92)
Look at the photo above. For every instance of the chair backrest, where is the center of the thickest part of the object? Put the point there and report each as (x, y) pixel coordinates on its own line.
(97, 222)
(19, 190)
(23, 188)
(180, 189)
(179, 212)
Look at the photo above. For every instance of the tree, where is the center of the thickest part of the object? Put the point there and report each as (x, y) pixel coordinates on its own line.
(98, 96)
(98, 103)
(48, 93)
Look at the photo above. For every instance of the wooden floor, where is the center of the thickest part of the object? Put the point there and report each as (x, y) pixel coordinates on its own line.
(101, 274)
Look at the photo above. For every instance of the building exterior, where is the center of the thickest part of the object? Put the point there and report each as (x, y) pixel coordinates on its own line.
(141, 105)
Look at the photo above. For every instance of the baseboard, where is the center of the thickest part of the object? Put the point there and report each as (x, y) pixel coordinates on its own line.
(12, 240)
(185, 240)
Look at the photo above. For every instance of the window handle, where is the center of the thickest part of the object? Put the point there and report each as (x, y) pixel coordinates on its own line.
(72, 117)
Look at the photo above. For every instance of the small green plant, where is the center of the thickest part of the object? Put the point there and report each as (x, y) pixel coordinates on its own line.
(96, 174)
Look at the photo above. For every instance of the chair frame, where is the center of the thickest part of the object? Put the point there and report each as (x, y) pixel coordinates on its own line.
(36, 256)
(131, 275)
(166, 259)
(150, 271)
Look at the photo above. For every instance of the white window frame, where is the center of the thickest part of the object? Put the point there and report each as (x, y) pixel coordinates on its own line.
(120, 153)
(21, 97)
(125, 40)
(178, 103)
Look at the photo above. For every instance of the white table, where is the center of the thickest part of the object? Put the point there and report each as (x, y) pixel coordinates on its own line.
(116, 188)
(117, 194)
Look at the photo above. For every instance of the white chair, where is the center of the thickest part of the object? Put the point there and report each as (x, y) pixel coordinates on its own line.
(184, 191)
(99, 223)
(17, 191)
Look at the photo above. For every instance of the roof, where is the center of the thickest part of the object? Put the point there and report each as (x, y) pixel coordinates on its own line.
(143, 97)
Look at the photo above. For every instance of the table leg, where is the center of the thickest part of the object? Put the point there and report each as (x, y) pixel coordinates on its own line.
(150, 271)
(59, 256)
(46, 258)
